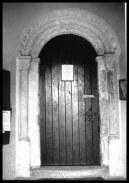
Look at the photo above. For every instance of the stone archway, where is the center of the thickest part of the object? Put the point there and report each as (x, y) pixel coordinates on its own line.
(33, 39)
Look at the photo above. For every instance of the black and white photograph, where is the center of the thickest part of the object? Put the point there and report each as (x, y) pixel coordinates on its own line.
(64, 70)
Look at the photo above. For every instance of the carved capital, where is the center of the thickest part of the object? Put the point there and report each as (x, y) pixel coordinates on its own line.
(36, 60)
(101, 62)
(34, 65)
(24, 62)
(110, 61)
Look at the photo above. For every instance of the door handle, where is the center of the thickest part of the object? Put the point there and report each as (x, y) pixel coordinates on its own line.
(88, 96)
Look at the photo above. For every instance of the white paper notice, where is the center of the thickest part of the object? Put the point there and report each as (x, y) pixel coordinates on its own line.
(67, 72)
(6, 121)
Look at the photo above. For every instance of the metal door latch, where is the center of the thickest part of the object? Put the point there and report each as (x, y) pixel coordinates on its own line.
(90, 116)
(88, 96)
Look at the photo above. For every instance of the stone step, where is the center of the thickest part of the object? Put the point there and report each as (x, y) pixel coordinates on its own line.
(73, 172)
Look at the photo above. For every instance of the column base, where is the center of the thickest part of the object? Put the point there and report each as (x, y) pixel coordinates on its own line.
(115, 158)
(23, 159)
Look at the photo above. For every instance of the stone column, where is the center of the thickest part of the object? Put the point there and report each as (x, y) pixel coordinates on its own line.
(112, 67)
(104, 109)
(34, 128)
(23, 141)
(24, 68)
(115, 147)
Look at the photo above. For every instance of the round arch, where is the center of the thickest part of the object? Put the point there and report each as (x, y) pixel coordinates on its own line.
(68, 21)
(35, 36)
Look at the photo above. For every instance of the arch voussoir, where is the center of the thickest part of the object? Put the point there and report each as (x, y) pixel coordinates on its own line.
(47, 35)
(72, 20)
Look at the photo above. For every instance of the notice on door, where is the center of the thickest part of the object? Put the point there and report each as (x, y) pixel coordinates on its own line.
(6, 121)
(67, 72)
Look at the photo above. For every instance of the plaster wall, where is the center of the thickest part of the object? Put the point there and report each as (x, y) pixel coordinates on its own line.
(16, 16)
(9, 150)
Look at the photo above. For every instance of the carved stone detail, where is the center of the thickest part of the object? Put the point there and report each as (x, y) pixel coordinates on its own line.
(36, 60)
(104, 109)
(111, 66)
(74, 29)
(109, 61)
(108, 88)
(102, 77)
(69, 18)
(24, 62)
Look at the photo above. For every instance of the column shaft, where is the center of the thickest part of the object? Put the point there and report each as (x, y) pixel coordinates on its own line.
(24, 69)
(33, 118)
(104, 109)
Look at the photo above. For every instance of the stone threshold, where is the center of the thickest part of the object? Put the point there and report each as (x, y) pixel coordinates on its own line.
(69, 172)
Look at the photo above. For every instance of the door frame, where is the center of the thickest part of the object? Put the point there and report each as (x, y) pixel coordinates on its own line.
(36, 35)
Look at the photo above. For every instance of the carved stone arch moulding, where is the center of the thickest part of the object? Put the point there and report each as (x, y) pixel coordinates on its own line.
(74, 21)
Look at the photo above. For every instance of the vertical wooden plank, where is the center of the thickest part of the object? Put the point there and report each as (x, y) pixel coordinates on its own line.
(81, 112)
(88, 123)
(55, 114)
(75, 117)
(42, 115)
(95, 122)
(49, 131)
(68, 122)
(62, 120)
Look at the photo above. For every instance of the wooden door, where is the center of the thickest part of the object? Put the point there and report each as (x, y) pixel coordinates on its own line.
(69, 123)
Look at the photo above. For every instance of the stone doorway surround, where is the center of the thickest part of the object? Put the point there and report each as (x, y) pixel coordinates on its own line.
(36, 35)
